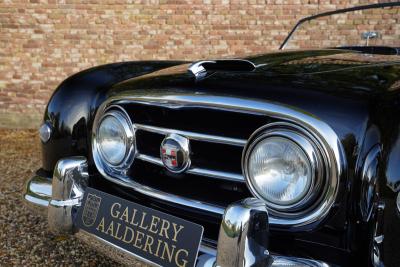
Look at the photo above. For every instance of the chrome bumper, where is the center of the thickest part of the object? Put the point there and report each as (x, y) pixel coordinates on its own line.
(243, 236)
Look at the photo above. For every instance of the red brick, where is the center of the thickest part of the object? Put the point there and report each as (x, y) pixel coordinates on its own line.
(43, 42)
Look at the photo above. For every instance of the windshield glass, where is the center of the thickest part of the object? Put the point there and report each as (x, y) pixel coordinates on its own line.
(369, 27)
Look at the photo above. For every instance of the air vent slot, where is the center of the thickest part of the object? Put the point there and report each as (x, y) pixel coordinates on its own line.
(202, 68)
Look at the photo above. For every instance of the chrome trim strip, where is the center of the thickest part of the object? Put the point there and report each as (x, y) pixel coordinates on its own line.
(197, 171)
(217, 174)
(193, 135)
(171, 99)
(207, 249)
(292, 261)
(163, 196)
(154, 160)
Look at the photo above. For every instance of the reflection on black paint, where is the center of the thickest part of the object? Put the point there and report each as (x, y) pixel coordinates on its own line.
(356, 94)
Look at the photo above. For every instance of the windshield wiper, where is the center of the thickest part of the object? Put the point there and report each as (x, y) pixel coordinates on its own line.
(344, 10)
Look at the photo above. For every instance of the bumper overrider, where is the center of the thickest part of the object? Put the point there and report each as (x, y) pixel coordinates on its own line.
(243, 236)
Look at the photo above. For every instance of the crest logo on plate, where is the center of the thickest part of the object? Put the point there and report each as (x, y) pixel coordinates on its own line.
(175, 153)
(91, 209)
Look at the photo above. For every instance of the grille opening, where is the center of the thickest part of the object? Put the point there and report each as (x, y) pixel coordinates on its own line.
(206, 189)
(197, 119)
(149, 143)
(214, 156)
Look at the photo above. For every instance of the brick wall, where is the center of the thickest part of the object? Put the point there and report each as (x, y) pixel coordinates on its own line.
(43, 42)
(348, 29)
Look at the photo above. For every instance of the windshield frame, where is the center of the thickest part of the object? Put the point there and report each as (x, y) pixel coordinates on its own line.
(333, 12)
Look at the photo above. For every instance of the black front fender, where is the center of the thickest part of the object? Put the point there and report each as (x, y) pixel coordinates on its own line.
(73, 105)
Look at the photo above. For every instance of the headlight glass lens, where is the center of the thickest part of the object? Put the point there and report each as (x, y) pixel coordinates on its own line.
(112, 140)
(279, 171)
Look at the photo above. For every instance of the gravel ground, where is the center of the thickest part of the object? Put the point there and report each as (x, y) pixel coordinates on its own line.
(24, 238)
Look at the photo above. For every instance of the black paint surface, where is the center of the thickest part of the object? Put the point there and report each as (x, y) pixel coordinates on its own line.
(356, 94)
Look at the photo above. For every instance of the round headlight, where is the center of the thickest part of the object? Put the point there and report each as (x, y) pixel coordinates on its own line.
(112, 140)
(280, 171)
(281, 167)
(115, 138)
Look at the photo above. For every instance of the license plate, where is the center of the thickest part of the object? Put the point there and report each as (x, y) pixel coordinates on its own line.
(156, 236)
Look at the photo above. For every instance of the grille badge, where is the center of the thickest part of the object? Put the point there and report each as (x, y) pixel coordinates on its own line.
(175, 153)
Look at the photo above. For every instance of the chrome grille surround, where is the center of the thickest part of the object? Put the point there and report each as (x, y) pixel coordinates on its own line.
(330, 141)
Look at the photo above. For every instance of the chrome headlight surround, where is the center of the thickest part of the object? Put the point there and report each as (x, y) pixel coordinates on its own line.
(319, 193)
(101, 162)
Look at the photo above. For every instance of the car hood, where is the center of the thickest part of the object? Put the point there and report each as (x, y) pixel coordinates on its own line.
(332, 71)
(328, 84)
(317, 61)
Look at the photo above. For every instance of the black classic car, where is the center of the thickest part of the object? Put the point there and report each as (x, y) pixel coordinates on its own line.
(289, 158)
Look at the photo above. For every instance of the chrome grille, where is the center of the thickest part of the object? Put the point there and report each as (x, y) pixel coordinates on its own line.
(194, 136)
(196, 170)
(250, 113)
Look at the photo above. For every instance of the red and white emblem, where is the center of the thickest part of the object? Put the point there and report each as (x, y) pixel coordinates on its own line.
(174, 153)
(169, 155)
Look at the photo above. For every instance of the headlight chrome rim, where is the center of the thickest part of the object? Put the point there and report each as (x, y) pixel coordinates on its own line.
(316, 156)
(130, 141)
